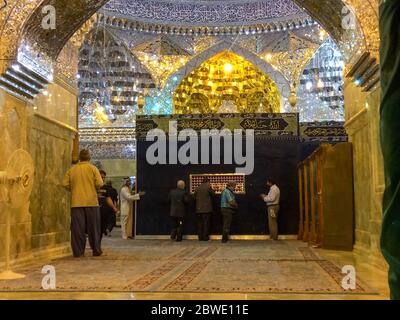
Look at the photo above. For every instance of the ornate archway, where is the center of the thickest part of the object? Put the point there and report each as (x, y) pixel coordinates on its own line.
(281, 83)
(226, 78)
(20, 22)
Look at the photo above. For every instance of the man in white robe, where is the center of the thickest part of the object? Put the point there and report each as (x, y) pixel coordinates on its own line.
(127, 200)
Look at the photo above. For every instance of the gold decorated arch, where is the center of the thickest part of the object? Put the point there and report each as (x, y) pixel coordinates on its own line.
(20, 22)
(227, 83)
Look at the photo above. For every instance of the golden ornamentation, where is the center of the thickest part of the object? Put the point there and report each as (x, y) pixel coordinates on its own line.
(71, 15)
(226, 77)
(79, 37)
(292, 61)
(67, 64)
(331, 15)
(161, 67)
(12, 19)
(203, 43)
(367, 13)
(293, 99)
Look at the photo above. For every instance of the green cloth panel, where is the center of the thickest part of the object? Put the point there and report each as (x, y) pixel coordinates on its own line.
(390, 138)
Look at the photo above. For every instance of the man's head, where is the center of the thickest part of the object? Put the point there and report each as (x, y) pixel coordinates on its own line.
(206, 180)
(181, 184)
(127, 181)
(109, 183)
(270, 182)
(231, 185)
(84, 155)
(103, 175)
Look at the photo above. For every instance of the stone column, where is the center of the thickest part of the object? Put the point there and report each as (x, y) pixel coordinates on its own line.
(390, 138)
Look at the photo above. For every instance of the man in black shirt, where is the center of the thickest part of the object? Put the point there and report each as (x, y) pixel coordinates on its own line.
(204, 196)
(114, 197)
(114, 192)
(107, 207)
(179, 200)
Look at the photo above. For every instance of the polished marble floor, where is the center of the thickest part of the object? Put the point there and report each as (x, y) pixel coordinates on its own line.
(239, 270)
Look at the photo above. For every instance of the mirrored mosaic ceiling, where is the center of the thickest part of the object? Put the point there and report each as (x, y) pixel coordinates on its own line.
(123, 72)
(22, 33)
(149, 47)
(156, 39)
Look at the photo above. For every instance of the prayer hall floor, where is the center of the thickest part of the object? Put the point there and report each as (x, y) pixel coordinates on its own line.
(238, 270)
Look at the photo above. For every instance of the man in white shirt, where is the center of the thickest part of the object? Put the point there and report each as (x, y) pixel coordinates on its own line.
(127, 199)
(272, 201)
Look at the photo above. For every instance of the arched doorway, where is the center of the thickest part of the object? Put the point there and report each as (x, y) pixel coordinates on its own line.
(226, 79)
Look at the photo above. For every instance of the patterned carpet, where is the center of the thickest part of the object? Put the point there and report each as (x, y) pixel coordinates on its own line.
(190, 266)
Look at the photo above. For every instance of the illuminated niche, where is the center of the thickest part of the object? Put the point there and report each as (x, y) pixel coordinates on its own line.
(226, 83)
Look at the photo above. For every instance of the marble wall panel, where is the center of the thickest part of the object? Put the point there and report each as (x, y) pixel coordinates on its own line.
(42, 223)
(362, 114)
(13, 129)
(49, 201)
(59, 104)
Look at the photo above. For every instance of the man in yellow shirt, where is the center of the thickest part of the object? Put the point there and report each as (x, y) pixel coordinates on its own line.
(83, 180)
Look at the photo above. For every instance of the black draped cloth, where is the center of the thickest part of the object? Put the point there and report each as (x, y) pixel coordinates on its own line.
(390, 138)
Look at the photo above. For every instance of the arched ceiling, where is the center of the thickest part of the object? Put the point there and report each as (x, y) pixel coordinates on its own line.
(71, 15)
(21, 20)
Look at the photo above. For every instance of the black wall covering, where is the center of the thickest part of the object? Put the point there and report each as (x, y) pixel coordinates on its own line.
(280, 145)
(273, 158)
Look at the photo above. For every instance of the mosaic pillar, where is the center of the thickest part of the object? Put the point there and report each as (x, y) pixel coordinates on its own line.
(390, 138)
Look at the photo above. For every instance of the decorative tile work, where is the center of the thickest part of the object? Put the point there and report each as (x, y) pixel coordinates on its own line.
(203, 12)
(67, 64)
(102, 151)
(320, 95)
(12, 18)
(367, 12)
(71, 16)
(289, 55)
(328, 12)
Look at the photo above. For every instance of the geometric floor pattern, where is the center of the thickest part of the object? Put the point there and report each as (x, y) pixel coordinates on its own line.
(193, 267)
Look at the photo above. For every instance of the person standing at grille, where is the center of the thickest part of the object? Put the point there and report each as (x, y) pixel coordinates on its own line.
(178, 200)
(83, 180)
(204, 196)
(228, 208)
(127, 199)
(272, 200)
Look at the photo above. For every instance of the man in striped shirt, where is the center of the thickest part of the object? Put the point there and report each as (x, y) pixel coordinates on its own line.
(272, 200)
